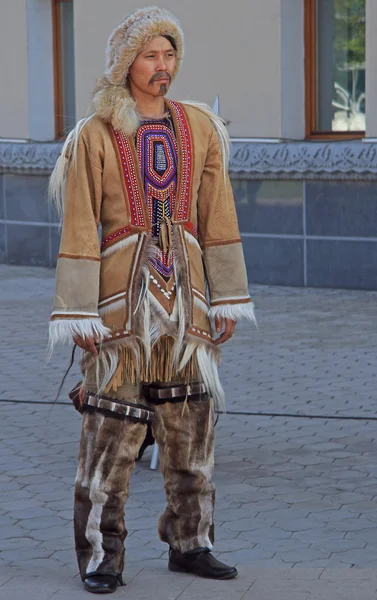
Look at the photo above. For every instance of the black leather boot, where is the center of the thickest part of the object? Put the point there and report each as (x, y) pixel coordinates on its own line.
(200, 562)
(101, 584)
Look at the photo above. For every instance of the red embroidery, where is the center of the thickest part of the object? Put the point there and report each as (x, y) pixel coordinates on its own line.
(114, 236)
(185, 164)
(130, 178)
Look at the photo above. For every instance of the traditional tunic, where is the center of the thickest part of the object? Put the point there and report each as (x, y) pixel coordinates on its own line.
(171, 254)
(170, 259)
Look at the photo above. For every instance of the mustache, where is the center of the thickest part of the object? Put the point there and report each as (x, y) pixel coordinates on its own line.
(158, 76)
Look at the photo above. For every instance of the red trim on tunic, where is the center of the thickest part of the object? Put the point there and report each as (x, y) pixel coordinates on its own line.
(115, 236)
(131, 181)
(185, 163)
(191, 229)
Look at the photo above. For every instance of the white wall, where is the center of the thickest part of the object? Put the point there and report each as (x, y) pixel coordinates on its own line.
(14, 108)
(233, 49)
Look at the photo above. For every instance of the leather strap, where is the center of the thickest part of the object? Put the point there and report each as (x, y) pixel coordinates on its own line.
(119, 407)
(167, 393)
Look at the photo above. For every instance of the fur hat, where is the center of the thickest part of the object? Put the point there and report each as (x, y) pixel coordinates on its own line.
(112, 100)
(133, 34)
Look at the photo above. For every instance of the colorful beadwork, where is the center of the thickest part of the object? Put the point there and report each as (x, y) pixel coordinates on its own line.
(158, 158)
(157, 152)
(162, 262)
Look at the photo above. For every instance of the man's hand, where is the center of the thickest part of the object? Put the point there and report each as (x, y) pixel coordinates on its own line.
(87, 344)
(220, 323)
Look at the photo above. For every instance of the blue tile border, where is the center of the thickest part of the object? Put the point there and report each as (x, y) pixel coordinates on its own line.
(348, 160)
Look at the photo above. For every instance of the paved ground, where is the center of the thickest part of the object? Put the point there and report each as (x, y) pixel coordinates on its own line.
(296, 477)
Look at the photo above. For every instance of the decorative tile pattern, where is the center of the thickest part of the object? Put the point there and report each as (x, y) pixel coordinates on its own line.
(304, 160)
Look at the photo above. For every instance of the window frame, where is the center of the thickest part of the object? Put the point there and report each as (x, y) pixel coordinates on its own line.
(310, 37)
(57, 54)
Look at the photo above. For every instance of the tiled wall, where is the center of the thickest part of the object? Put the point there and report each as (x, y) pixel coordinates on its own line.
(314, 233)
(29, 232)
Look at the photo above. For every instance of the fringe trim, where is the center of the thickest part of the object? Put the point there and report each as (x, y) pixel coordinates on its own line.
(108, 366)
(183, 288)
(68, 155)
(207, 359)
(118, 245)
(128, 362)
(201, 304)
(208, 367)
(234, 312)
(192, 240)
(61, 331)
(109, 308)
(122, 361)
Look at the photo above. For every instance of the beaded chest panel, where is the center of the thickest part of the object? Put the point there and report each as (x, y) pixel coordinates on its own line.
(158, 159)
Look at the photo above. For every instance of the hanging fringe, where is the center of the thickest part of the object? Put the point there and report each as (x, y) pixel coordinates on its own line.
(183, 288)
(131, 239)
(201, 304)
(119, 364)
(61, 331)
(234, 312)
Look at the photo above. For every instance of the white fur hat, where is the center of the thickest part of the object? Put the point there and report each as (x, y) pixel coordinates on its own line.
(133, 34)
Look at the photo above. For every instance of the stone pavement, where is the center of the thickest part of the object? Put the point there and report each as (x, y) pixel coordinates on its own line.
(296, 491)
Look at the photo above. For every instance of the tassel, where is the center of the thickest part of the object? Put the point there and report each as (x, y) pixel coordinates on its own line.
(134, 367)
(165, 238)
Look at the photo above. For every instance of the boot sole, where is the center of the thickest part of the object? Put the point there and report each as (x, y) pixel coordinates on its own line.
(99, 591)
(178, 569)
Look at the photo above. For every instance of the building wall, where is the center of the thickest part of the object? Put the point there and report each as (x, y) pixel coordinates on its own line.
(14, 98)
(306, 209)
(231, 53)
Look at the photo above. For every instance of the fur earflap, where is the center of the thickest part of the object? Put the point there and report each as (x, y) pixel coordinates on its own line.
(115, 105)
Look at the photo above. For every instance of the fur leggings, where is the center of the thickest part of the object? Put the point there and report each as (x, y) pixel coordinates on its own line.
(108, 450)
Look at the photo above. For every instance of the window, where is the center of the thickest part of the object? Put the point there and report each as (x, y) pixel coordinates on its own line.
(335, 68)
(65, 106)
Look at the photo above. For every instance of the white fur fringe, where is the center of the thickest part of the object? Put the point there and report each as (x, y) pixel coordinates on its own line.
(132, 239)
(62, 331)
(234, 312)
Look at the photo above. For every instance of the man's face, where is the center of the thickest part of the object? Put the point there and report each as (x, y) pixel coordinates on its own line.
(153, 68)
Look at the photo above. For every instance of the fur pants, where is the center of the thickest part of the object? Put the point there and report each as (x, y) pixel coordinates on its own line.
(108, 450)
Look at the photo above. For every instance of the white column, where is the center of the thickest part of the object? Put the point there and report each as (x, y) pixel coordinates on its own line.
(371, 71)
(292, 70)
(14, 108)
(40, 70)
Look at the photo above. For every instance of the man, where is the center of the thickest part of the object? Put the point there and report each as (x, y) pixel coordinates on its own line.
(141, 304)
